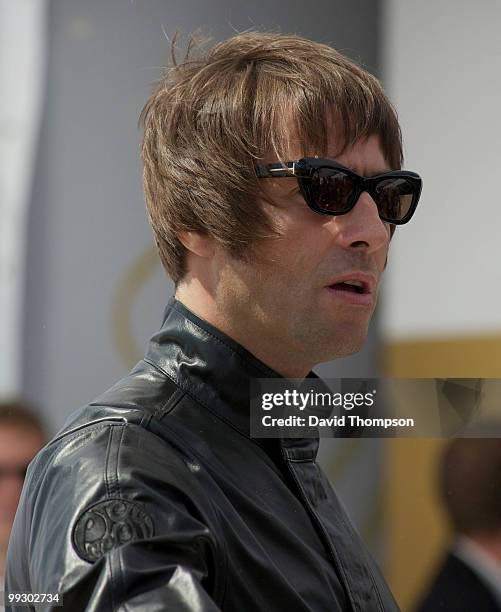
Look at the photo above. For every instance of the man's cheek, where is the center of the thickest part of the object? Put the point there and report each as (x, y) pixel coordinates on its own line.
(382, 258)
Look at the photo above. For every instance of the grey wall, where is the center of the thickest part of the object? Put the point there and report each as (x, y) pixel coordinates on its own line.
(87, 224)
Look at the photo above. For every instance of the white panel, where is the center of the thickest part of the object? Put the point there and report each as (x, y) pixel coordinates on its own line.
(442, 69)
(22, 62)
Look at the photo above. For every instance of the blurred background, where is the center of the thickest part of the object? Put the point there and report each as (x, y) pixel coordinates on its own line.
(81, 288)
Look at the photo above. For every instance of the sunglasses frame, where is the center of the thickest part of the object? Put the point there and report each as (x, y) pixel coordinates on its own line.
(304, 168)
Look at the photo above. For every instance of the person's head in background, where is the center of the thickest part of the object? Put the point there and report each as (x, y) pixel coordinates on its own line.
(471, 489)
(21, 437)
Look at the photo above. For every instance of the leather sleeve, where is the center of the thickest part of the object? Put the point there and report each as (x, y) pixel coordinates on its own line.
(118, 522)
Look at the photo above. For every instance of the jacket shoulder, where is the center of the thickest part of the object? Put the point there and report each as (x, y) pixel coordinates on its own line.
(110, 490)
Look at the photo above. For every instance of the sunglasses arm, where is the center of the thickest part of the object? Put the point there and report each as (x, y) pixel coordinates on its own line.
(276, 170)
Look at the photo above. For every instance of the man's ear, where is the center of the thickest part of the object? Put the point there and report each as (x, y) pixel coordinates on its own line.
(199, 243)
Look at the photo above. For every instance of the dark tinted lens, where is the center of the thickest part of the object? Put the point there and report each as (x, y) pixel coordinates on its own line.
(394, 197)
(331, 189)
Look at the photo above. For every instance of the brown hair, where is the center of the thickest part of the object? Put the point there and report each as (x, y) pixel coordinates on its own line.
(16, 412)
(471, 483)
(212, 117)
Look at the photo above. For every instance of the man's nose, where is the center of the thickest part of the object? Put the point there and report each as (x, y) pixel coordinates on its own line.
(362, 228)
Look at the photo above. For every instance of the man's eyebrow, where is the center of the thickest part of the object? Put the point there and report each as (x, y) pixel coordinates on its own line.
(370, 175)
(384, 171)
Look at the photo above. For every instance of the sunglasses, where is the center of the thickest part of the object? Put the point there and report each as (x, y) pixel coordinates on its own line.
(331, 189)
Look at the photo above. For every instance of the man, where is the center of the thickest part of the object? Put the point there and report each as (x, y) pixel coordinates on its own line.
(469, 578)
(21, 437)
(155, 497)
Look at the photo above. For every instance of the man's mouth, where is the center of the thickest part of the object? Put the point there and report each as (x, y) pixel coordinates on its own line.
(357, 288)
(351, 286)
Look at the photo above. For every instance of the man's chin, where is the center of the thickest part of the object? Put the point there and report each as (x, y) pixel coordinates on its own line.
(345, 342)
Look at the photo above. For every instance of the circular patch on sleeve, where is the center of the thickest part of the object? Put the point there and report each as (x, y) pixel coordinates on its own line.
(107, 525)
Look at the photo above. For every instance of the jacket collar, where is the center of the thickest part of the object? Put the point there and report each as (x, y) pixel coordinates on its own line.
(215, 370)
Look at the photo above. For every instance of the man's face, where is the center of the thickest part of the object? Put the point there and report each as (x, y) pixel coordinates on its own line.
(18, 446)
(283, 300)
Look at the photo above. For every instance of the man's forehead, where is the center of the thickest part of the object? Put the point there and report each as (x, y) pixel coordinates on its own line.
(365, 157)
(327, 126)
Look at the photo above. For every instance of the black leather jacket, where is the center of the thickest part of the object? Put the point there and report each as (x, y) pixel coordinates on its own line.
(154, 497)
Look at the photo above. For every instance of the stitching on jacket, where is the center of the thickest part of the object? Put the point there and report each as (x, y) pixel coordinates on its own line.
(111, 462)
(374, 584)
(169, 404)
(145, 420)
(107, 463)
(120, 435)
(113, 490)
(87, 426)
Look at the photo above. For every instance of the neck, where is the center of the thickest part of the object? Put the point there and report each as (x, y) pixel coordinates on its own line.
(195, 297)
